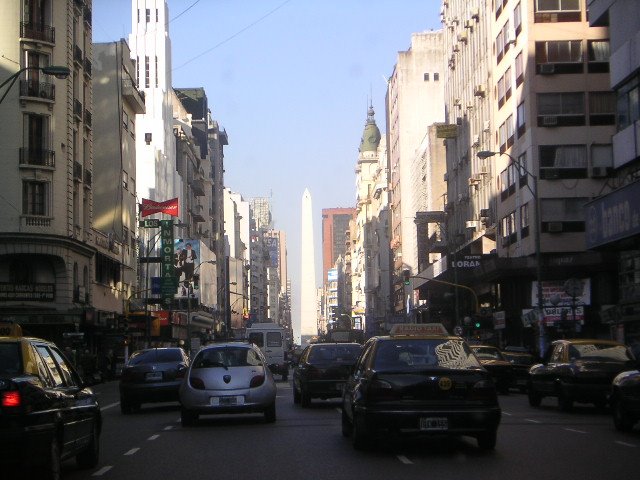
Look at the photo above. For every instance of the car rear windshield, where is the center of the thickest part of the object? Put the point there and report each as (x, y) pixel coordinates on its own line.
(334, 353)
(486, 353)
(600, 352)
(156, 356)
(519, 359)
(225, 357)
(10, 361)
(424, 353)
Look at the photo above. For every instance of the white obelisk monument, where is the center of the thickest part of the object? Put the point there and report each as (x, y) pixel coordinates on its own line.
(308, 315)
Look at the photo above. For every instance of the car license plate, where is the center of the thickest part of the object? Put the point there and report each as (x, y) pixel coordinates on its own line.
(227, 401)
(434, 423)
(153, 376)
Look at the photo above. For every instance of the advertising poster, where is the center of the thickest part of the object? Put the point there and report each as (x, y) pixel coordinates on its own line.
(273, 248)
(186, 258)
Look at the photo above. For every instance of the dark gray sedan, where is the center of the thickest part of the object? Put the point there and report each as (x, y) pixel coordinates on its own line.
(152, 375)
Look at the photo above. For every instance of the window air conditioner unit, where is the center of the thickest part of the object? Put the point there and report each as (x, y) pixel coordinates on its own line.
(554, 227)
(472, 224)
(462, 37)
(468, 24)
(476, 141)
(475, 13)
(600, 172)
(473, 182)
(510, 37)
(456, 48)
(547, 69)
(446, 177)
(549, 121)
(480, 90)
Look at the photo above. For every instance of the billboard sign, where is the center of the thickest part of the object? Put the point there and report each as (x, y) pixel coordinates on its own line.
(332, 275)
(273, 249)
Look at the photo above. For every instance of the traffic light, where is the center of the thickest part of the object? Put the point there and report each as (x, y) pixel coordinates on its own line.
(406, 277)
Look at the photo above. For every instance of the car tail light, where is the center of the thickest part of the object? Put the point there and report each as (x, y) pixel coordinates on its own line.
(380, 390)
(181, 371)
(11, 399)
(196, 383)
(256, 381)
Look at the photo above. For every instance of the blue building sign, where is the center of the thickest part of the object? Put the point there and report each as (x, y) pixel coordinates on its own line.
(614, 216)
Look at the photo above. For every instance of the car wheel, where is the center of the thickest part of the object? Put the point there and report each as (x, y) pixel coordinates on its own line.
(51, 466)
(565, 402)
(296, 396)
(487, 440)
(91, 455)
(347, 428)
(534, 397)
(360, 435)
(270, 413)
(305, 399)
(188, 418)
(621, 418)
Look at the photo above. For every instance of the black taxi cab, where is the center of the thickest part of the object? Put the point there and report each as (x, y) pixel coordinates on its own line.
(46, 414)
(419, 381)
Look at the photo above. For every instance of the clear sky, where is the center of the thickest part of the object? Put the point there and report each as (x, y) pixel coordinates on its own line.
(290, 81)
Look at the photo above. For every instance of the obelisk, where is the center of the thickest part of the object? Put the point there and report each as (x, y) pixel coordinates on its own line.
(308, 314)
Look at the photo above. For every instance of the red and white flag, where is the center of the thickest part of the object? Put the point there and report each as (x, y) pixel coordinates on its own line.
(149, 207)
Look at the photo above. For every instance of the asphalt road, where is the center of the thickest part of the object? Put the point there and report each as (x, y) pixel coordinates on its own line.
(533, 443)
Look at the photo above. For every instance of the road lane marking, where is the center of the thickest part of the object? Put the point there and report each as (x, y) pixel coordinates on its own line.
(574, 430)
(102, 471)
(625, 444)
(153, 437)
(111, 405)
(168, 427)
(132, 451)
(404, 460)
(531, 420)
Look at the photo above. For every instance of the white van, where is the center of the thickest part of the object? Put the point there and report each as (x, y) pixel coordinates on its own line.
(270, 338)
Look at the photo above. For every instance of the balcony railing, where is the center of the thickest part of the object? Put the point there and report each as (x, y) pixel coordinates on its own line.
(32, 88)
(41, 157)
(87, 118)
(77, 108)
(77, 54)
(87, 15)
(42, 33)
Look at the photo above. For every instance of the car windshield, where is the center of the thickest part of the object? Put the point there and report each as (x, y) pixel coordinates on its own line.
(420, 353)
(10, 363)
(334, 353)
(600, 352)
(155, 356)
(225, 357)
(519, 359)
(488, 353)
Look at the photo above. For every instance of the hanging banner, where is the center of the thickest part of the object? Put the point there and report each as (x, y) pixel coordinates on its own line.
(149, 207)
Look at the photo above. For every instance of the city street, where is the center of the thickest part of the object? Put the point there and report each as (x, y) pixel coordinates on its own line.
(533, 443)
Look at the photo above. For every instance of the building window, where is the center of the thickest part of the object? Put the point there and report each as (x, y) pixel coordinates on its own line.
(500, 92)
(502, 137)
(125, 180)
(510, 132)
(157, 16)
(436, 77)
(138, 15)
(517, 19)
(598, 56)
(508, 229)
(567, 212)
(524, 220)
(146, 73)
(559, 57)
(425, 77)
(555, 109)
(507, 84)
(628, 104)
(563, 161)
(551, 11)
(521, 119)
(499, 46)
(148, 15)
(519, 69)
(157, 72)
(602, 108)
(34, 198)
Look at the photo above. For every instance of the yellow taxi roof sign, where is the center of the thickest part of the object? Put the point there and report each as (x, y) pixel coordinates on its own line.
(415, 329)
(10, 329)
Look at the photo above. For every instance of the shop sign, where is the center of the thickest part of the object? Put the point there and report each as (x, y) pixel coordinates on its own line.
(467, 261)
(36, 292)
(614, 216)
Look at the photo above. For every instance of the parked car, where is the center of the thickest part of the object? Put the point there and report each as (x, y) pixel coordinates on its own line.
(578, 370)
(47, 414)
(152, 375)
(521, 362)
(322, 371)
(419, 381)
(230, 377)
(625, 399)
(498, 366)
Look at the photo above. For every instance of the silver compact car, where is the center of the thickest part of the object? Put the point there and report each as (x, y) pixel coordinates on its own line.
(230, 377)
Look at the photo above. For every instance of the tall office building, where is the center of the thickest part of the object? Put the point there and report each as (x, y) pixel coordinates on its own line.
(335, 226)
(307, 325)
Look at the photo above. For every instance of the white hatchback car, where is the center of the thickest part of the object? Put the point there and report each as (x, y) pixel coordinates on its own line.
(230, 377)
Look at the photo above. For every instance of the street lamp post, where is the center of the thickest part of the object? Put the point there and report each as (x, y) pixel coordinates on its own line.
(536, 208)
(58, 71)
